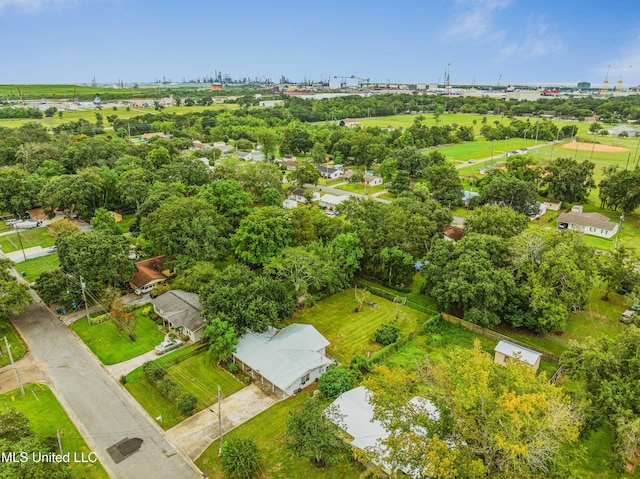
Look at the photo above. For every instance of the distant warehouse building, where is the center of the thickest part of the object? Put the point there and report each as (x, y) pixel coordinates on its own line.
(523, 95)
(584, 85)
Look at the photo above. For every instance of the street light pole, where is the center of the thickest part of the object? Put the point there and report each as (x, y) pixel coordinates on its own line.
(219, 422)
(83, 285)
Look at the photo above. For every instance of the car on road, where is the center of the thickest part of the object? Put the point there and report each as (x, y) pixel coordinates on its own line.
(166, 346)
(472, 161)
(52, 249)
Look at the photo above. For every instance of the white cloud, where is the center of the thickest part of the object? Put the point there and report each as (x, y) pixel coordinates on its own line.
(625, 64)
(34, 5)
(536, 39)
(475, 19)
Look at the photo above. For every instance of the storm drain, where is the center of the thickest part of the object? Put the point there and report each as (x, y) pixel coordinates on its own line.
(123, 449)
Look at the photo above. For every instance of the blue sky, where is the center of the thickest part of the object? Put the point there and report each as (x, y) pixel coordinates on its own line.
(525, 41)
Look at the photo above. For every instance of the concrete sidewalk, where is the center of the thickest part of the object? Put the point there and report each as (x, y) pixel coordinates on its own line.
(192, 436)
(125, 367)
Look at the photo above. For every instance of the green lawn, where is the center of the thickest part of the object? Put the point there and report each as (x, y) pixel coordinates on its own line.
(414, 297)
(35, 237)
(361, 189)
(126, 221)
(34, 267)
(269, 431)
(18, 348)
(47, 417)
(598, 320)
(326, 182)
(193, 370)
(111, 348)
(351, 333)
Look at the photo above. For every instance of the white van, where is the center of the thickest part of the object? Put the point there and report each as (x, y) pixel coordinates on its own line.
(145, 289)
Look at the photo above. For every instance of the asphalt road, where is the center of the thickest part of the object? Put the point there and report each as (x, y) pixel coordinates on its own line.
(102, 411)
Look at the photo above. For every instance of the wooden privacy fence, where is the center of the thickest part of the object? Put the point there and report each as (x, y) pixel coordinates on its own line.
(488, 333)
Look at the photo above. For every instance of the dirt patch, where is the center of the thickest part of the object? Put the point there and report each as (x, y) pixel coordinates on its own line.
(575, 145)
(28, 369)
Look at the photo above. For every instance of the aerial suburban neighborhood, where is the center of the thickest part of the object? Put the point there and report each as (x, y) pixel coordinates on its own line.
(235, 276)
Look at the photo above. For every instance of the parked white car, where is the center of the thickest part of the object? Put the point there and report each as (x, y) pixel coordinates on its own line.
(12, 221)
(166, 346)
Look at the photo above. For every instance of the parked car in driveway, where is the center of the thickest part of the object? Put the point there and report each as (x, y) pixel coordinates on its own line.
(12, 221)
(627, 316)
(166, 346)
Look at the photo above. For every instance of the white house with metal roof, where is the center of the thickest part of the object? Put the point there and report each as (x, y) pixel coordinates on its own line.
(506, 350)
(284, 361)
(352, 412)
(331, 201)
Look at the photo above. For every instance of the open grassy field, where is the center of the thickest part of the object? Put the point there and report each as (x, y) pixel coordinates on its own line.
(111, 348)
(36, 266)
(349, 332)
(26, 239)
(370, 190)
(194, 371)
(121, 112)
(46, 417)
(18, 348)
(269, 431)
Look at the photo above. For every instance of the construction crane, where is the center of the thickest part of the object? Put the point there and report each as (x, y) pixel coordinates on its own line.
(605, 83)
(499, 78)
(447, 81)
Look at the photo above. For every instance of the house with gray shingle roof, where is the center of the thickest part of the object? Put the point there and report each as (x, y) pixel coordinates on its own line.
(594, 224)
(283, 361)
(181, 309)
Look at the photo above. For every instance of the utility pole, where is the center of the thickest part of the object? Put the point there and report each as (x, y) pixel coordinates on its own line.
(83, 285)
(13, 366)
(615, 244)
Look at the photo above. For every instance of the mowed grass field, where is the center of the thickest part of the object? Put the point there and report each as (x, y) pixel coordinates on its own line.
(352, 333)
(33, 268)
(26, 239)
(195, 372)
(112, 348)
(46, 417)
(269, 431)
(89, 114)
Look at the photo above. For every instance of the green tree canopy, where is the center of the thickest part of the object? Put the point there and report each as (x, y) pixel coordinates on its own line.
(568, 180)
(262, 235)
(496, 221)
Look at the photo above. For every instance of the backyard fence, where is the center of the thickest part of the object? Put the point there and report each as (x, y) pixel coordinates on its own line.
(496, 336)
(394, 297)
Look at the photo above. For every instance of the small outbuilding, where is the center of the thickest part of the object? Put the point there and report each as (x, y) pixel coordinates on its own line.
(506, 350)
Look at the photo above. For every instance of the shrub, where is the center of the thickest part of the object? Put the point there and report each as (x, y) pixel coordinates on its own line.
(153, 372)
(334, 382)
(388, 333)
(233, 368)
(360, 364)
(123, 379)
(187, 404)
(240, 458)
(169, 389)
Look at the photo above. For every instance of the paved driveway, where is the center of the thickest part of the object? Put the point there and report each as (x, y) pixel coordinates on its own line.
(193, 435)
(102, 410)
